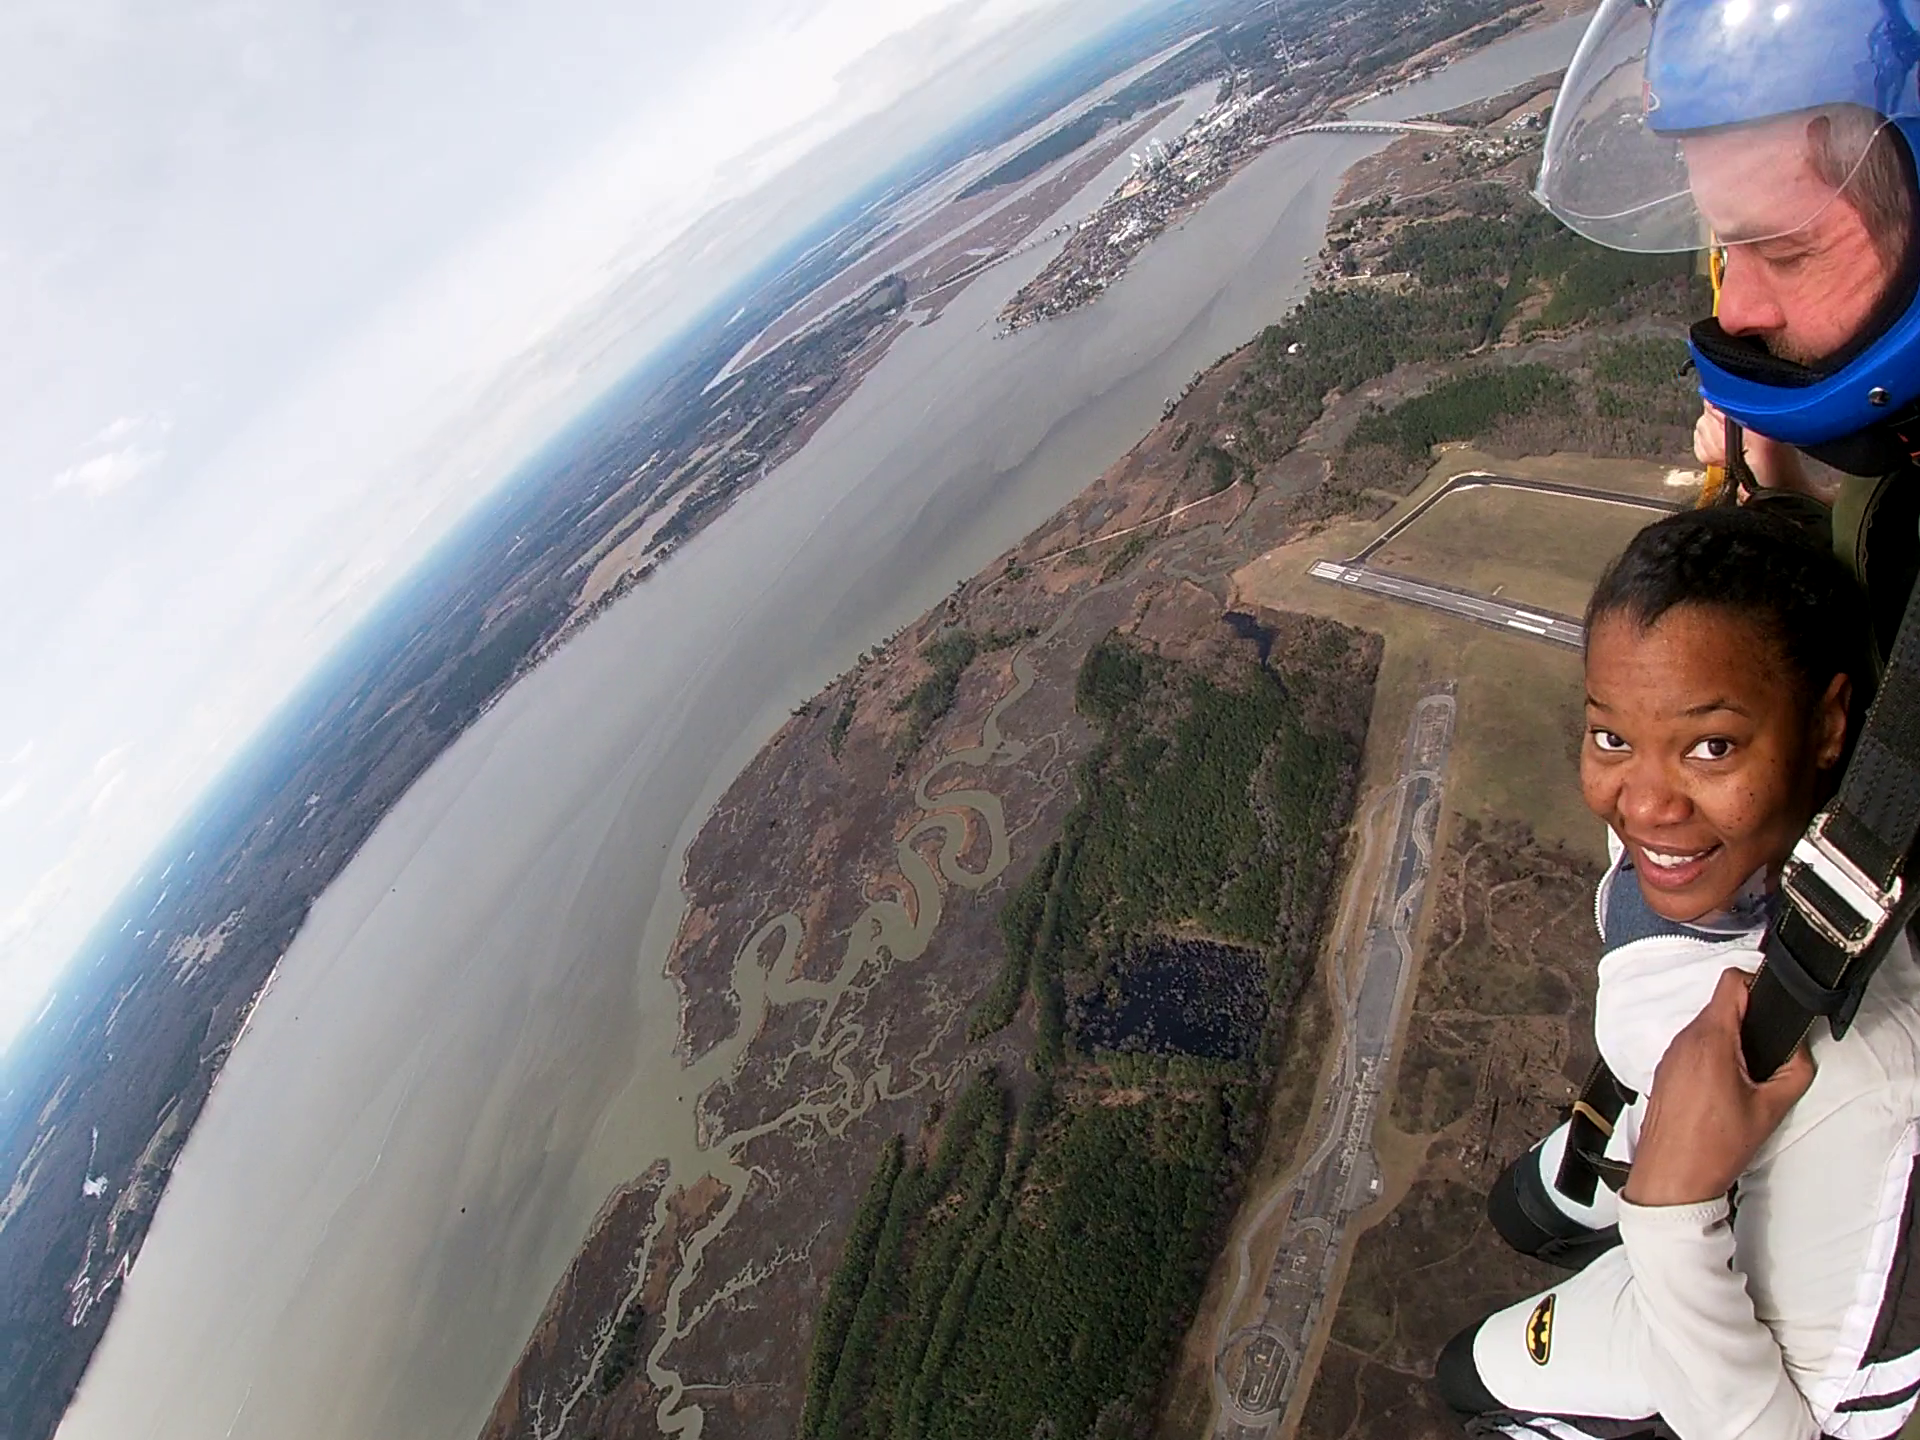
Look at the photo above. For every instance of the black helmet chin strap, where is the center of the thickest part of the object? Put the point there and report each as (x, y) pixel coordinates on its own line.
(1740, 482)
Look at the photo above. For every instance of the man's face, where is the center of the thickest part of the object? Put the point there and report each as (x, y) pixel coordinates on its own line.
(1803, 294)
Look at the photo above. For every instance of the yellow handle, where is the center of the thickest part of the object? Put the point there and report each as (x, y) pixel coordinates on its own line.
(1716, 474)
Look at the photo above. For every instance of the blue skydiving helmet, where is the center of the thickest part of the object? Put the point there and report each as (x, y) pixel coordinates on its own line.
(1740, 84)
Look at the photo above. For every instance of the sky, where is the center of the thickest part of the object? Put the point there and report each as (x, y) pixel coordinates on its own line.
(287, 287)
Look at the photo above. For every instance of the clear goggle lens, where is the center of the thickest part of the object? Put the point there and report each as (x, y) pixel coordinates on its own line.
(1610, 176)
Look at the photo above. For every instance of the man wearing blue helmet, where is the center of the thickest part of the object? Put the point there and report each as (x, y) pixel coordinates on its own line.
(1782, 132)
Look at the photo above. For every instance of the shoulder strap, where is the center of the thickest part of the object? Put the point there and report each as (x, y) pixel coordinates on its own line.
(1846, 889)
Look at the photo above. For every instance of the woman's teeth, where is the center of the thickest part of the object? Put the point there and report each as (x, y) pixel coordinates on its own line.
(1670, 860)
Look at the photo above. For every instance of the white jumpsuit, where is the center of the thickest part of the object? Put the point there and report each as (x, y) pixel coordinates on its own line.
(1791, 1314)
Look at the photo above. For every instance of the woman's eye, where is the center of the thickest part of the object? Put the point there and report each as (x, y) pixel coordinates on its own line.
(1714, 747)
(1608, 742)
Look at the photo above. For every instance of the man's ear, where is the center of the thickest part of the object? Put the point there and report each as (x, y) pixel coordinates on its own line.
(1830, 722)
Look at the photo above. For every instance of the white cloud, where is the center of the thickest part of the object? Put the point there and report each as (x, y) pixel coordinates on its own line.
(104, 474)
(28, 910)
(125, 449)
(104, 794)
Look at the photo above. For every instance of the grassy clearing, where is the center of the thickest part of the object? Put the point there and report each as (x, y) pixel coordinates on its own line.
(1547, 550)
(1520, 701)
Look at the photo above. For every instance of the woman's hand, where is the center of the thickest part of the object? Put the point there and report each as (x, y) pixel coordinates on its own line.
(1706, 1119)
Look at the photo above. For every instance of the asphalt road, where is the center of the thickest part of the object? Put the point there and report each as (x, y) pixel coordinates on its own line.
(1258, 1366)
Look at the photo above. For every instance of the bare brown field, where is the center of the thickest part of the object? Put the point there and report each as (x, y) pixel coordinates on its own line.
(1500, 1028)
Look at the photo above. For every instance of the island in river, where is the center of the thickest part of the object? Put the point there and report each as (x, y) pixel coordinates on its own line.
(1006, 964)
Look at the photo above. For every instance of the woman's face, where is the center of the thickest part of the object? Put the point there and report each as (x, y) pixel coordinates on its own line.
(1700, 751)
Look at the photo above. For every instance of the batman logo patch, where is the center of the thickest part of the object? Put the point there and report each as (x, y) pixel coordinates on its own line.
(1540, 1332)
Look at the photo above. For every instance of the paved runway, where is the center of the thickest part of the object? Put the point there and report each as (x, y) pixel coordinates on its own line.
(1258, 1368)
(1483, 609)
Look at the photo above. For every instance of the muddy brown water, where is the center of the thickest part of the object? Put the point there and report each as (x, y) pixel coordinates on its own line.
(472, 1041)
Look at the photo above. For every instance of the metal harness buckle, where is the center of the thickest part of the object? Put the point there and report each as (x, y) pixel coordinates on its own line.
(1814, 853)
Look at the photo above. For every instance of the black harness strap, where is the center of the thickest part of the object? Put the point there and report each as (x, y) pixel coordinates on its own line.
(1590, 1124)
(1848, 885)
(1740, 481)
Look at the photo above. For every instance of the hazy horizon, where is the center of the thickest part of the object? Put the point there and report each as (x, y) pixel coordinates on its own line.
(293, 292)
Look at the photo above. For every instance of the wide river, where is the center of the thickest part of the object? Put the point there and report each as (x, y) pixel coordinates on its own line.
(471, 1042)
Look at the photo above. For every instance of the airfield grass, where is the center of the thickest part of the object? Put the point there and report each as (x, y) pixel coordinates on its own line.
(1519, 720)
(1528, 548)
(1627, 477)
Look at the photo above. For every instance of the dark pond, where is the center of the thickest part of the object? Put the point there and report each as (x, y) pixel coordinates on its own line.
(1176, 997)
(1248, 628)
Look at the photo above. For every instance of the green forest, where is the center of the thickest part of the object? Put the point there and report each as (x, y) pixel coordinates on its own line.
(1031, 1272)
(1463, 407)
(1034, 1272)
(949, 654)
(1209, 802)
(1470, 275)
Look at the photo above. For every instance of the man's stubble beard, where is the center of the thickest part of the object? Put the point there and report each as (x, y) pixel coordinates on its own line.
(1785, 347)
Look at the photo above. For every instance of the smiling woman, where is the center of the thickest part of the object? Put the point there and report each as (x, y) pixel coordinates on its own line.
(1705, 766)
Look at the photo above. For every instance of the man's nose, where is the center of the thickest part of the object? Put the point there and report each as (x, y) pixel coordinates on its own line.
(1747, 305)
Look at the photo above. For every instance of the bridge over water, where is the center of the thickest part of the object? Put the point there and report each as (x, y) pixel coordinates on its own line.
(1373, 127)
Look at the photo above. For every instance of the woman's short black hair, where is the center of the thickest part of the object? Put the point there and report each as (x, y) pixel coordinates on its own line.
(1759, 561)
